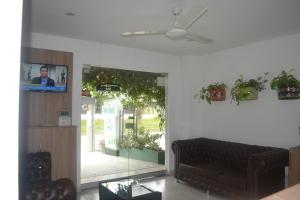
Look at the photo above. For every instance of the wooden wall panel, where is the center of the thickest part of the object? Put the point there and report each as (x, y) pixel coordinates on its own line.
(294, 166)
(43, 108)
(65, 150)
(60, 142)
(39, 113)
(40, 139)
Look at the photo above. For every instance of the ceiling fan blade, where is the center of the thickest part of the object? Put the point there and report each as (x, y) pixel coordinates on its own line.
(187, 20)
(198, 38)
(142, 33)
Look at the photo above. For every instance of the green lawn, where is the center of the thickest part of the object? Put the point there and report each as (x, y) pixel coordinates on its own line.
(99, 126)
(151, 124)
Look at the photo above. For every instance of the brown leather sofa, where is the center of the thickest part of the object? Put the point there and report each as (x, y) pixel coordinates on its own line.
(37, 184)
(237, 170)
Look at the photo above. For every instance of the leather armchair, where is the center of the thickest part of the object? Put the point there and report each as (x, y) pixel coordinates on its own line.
(37, 183)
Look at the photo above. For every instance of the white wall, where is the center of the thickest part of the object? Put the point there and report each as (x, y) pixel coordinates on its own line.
(266, 121)
(10, 38)
(105, 55)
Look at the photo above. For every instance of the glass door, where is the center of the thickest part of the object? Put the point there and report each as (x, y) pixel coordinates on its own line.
(122, 124)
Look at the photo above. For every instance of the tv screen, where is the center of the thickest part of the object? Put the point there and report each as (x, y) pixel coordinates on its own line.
(43, 77)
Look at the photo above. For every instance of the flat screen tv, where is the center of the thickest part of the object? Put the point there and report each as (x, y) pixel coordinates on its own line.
(43, 77)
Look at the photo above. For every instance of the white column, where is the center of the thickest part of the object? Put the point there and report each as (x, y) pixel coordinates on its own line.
(90, 124)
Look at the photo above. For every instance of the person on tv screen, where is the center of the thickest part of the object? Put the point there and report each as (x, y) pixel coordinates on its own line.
(63, 76)
(29, 74)
(44, 80)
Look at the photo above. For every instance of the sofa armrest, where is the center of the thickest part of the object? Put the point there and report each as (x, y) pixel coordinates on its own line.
(266, 171)
(186, 151)
(51, 190)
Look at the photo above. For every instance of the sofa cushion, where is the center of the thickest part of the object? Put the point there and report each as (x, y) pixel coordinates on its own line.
(210, 171)
(224, 176)
(61, 189)
(234, 179)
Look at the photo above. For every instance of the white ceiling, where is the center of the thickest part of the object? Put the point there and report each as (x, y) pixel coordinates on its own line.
(229, 23)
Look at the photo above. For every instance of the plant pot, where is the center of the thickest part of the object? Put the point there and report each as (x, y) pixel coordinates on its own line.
(143, 154)
(218, 94)
(290, 92)
(247, 93)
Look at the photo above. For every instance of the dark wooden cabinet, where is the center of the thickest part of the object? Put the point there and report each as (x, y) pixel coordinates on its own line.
(294, 166)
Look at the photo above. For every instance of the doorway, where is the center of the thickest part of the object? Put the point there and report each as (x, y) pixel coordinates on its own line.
(122, 124)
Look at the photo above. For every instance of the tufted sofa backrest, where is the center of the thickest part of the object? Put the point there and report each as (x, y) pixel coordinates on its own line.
(37, 167)
(229, 154)
(226, 154)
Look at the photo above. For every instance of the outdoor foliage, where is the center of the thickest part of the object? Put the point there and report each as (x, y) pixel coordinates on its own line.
(141, 139)
(138, 90)
(258, 84)
(204, 93)
(124, 190)
(284, 80)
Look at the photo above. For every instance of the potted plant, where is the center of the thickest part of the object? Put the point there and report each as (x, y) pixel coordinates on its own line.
(287, 86)
(247, 89)
(142, 145)
(213, 92)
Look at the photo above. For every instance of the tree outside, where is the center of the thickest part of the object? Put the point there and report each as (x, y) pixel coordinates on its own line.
(142, 99)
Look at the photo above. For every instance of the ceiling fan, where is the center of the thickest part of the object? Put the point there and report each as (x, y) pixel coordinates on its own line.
(179, 31)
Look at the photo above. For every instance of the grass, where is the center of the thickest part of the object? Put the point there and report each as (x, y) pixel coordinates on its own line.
(99, 126)
(151, 124)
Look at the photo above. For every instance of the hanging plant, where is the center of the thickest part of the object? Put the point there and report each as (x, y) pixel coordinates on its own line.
(287, 86)
(213, 92)
(247, 89)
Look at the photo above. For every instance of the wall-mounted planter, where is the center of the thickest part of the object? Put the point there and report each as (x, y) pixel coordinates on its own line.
(218, 94)
(290, 92)
(287, 85)
(243, 90)
(144, 154)
(213, 92)
(247, 93)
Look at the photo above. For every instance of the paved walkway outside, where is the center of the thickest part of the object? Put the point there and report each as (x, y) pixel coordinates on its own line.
(97, 166)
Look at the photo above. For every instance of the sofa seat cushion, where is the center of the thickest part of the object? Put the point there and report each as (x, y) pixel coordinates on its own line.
(61, 189)
(209, 171)
(234, 179)
(224, 176)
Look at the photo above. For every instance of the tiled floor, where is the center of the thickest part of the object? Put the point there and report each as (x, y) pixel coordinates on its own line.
(171, 190)
(97, 166)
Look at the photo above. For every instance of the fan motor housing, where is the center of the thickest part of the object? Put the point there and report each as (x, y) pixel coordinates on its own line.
(176, 34)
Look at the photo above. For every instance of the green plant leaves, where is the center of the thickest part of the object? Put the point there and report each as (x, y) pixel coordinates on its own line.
(283, 80)
(204, 93)
(141, 139)
(241, 88)
(240, 85)
(138, 90)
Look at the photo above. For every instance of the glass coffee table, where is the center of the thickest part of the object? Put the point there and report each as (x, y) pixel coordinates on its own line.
(126, 190)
